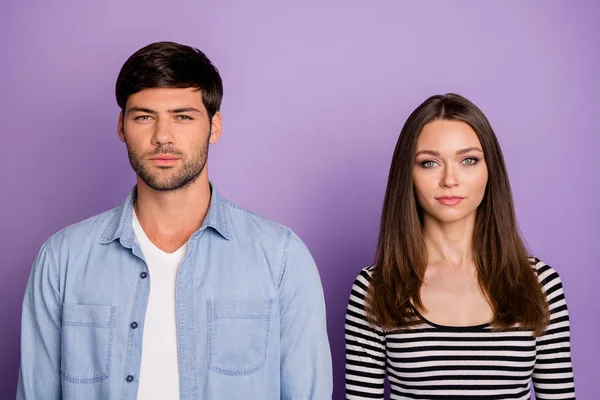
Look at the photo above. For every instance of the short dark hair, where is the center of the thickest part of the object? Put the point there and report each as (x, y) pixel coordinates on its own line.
(170, 65)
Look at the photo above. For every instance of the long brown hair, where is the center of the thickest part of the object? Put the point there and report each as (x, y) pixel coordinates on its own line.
(504, 272)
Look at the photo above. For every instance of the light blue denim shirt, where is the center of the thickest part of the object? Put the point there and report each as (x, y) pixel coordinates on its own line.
(250, 312)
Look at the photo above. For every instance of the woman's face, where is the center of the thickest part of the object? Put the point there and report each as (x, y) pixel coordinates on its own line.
(450, 174)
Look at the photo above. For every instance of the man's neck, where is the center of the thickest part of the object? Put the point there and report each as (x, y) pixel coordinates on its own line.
(169, 218)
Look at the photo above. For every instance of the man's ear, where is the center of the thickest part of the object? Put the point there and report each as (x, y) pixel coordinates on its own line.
(216, 128)
(120, 128)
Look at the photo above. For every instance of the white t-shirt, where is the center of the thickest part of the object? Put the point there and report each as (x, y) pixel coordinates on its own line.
(159, 372)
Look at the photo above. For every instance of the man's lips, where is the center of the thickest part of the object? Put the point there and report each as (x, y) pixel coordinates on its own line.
(164, 159)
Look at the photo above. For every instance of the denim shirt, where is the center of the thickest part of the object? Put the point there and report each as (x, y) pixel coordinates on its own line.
(249, 305)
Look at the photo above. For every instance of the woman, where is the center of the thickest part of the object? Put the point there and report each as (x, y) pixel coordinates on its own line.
(454, 308)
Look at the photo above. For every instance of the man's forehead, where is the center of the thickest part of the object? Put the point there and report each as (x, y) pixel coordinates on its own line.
(165, 94)
(163, 99)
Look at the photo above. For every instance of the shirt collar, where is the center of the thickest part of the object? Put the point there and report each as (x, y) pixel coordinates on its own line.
(120, 226)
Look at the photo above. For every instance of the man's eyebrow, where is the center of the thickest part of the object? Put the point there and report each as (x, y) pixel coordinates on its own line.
(172, 111)
(185, 109)
(141, 109)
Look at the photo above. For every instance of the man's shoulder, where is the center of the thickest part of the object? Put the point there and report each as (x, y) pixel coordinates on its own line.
(248, 221)
(90, 229)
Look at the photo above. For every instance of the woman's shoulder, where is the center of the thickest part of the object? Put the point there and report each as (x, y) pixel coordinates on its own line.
(548, 276)
(361, 285)
(365, 276)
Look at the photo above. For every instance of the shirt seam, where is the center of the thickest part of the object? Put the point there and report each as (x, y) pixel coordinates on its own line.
(284, 258)
(54, 266)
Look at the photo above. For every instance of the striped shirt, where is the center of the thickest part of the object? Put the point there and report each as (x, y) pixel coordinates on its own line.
(429, 361)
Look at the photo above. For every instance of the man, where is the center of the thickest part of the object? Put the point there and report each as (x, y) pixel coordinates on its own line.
(177, 293)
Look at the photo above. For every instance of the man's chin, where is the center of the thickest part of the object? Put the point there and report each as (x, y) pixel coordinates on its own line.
(166, 185)
(160, 184)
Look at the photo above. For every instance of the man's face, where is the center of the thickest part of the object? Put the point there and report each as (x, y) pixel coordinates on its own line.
(167, 132)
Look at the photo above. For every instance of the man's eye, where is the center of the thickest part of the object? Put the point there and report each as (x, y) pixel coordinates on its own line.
(142, 118)
(184, 117)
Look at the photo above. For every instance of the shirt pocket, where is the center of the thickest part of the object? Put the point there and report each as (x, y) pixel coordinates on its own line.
(238, 335)
(86, 342)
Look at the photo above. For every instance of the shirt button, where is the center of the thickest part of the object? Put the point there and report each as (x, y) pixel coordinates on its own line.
(143, 275)
(134, 325)
(129, 378)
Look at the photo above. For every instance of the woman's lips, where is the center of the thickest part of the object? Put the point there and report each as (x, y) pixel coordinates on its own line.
(450, 200)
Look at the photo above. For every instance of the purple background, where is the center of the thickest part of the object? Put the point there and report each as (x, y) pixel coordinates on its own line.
(315, 96)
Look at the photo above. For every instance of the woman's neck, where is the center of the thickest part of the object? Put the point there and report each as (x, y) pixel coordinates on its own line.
(449, 243)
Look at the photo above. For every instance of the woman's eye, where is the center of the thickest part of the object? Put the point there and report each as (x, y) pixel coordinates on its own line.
(470, 161)
(428, 164)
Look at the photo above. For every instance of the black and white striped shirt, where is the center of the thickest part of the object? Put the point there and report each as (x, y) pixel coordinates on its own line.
(428, 361)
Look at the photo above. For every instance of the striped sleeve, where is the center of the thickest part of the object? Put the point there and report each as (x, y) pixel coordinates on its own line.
(553, 373)
(365, 347)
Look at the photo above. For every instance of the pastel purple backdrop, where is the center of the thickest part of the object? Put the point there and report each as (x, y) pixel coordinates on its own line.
(315, 96)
